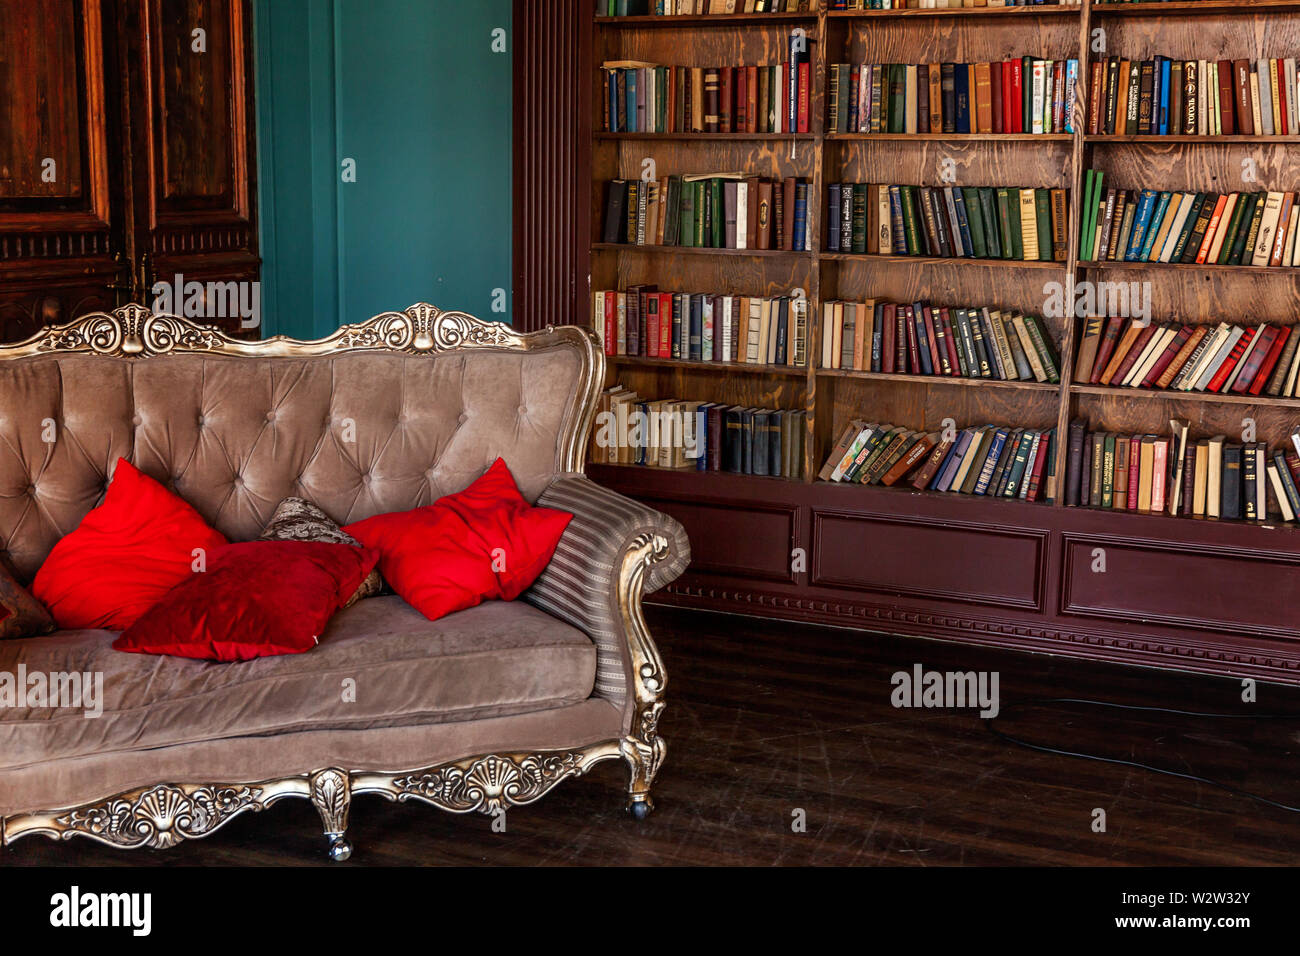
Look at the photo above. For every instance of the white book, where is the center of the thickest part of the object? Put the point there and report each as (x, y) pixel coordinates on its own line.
(742, 215)
(828, 336)
(1213, 91)
(1254, 101)
(598, 317)
(1264, 77)
(1036, 117)
(1289, 390)
(1171, 240)
(724, 330)
(1224, 350)
(1154, 349)
(1288, 74)
(621, 311)
(1203, 99)
(1267, 227)
(1187, 378)
(886, 235)
(1279, 491)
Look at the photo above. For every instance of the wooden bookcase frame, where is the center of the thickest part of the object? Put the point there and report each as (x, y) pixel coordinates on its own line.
(1002, 572)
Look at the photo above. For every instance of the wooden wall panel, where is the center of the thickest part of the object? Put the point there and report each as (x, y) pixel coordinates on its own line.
(552, 127)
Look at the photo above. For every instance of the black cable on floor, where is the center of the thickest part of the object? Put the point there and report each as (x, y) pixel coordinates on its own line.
(1007, 738)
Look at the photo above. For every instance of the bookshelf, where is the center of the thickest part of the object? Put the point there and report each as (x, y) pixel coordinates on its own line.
(1002, 572)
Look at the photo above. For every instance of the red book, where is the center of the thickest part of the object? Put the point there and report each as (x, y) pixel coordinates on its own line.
(913, 352)
(726, 97)
(1130, 359)
(1167, 356)
(1250, 369)
(804, 87)
(666, 300)
(1134, 470)
(950, 342)
(1036, 472)
(611, 323)
(740, 118)
(1227, 114)
(1266, 370)
(652, 325)
(999, 78)
(1281, 92)
(1017, 97)
(1106, 349)
(751, 108)
(1231, 361)
(927, 317)
(887, 344)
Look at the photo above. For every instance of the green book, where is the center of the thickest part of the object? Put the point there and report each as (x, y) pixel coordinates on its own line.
(859, 218)
(1005, 218)
(975, 220)
(1043, 213)
(1039, 338)
(1233, 227)
(911, 222)
(1013, 220)
(1089, 214)
(1252, 202)
(1256, 217)
(988, 210)
(718, 218)
(1108, 472)
(1189, 224)
(897, 92)
(1157, 217)
(1027, 94)
(686, 234)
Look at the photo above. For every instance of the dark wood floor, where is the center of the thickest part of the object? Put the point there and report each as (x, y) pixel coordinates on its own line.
(768, 718)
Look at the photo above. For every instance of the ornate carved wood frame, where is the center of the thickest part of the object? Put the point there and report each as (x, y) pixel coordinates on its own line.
(165, 814)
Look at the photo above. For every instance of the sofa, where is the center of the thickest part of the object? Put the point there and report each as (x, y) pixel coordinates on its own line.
(483, 710)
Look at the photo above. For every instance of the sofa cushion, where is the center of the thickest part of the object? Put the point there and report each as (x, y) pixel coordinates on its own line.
(379, 663)
(297, 519)
(256, 599)
(21, 615)
(124, 556)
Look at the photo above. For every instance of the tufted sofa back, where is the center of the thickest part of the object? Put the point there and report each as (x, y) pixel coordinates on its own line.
(380, 417)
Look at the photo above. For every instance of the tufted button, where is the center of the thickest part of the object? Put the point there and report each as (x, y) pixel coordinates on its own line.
(202, 421)
(462, 418)
(30, 491)
(137, 421)
(239, 481)
(523, 409)
(365, 479)
(270, 416)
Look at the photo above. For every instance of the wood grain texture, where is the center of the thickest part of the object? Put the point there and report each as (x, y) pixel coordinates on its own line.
(765, 717)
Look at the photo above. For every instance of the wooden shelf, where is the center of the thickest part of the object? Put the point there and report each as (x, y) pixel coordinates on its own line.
(953, 137)
(1243, 8)
(1043, 10)
(740, 368)
(697, 250)
(1293, 271)
(938, 380)
(939, 260)
(1209, 398)
(1188, 140)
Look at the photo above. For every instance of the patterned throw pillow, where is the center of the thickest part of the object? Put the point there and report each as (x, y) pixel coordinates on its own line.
(21, 615)
(297, 519)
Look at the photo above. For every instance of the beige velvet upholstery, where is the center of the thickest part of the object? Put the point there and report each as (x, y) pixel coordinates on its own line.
(357, 434)
(494, 659)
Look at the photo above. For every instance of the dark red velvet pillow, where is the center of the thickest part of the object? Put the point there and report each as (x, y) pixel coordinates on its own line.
(256, 599)
(124, 556)
(484, 542)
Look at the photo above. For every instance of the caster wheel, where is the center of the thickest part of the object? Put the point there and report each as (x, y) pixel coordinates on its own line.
(340, 850)
(640, 809)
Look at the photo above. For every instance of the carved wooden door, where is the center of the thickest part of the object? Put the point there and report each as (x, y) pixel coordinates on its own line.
(127, 156)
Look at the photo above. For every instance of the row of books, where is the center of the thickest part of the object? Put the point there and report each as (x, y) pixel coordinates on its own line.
(708, 210)
(702, 327)
(698, 436)
(687, 8)
(1174, 97)
(1181, 475)
(991, 460)
(980, 222)
(640, 97)
(1249, 229)
(1225, 359)
(918, 339)
(1024, 95)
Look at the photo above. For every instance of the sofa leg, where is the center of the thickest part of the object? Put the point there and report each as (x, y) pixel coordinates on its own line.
(331, 794)
(644, 756)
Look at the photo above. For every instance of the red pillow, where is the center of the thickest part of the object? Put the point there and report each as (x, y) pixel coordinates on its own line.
(484, 542)
(257, 599)
(124, 556)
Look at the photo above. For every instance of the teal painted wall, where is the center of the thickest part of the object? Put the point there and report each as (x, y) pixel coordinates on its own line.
(413, 91)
